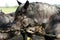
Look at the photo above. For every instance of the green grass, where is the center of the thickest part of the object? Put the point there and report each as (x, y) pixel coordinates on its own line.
(8, 9)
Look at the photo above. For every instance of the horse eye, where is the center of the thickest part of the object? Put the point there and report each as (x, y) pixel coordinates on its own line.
(19, 11)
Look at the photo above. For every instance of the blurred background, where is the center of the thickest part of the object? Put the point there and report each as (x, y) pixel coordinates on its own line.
(8, 6)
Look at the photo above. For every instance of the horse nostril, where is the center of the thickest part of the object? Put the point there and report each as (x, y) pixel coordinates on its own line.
(23, 22)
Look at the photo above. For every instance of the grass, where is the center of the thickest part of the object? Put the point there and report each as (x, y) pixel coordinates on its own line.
(7, 10)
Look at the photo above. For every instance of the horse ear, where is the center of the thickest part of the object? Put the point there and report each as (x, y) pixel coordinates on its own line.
(19, 2)
(26, 4)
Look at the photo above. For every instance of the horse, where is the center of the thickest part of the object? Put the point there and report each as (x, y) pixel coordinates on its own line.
(53, 27)
(39, 12)
(5, 21)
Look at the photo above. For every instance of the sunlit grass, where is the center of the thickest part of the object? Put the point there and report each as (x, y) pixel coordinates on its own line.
(8, 9)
